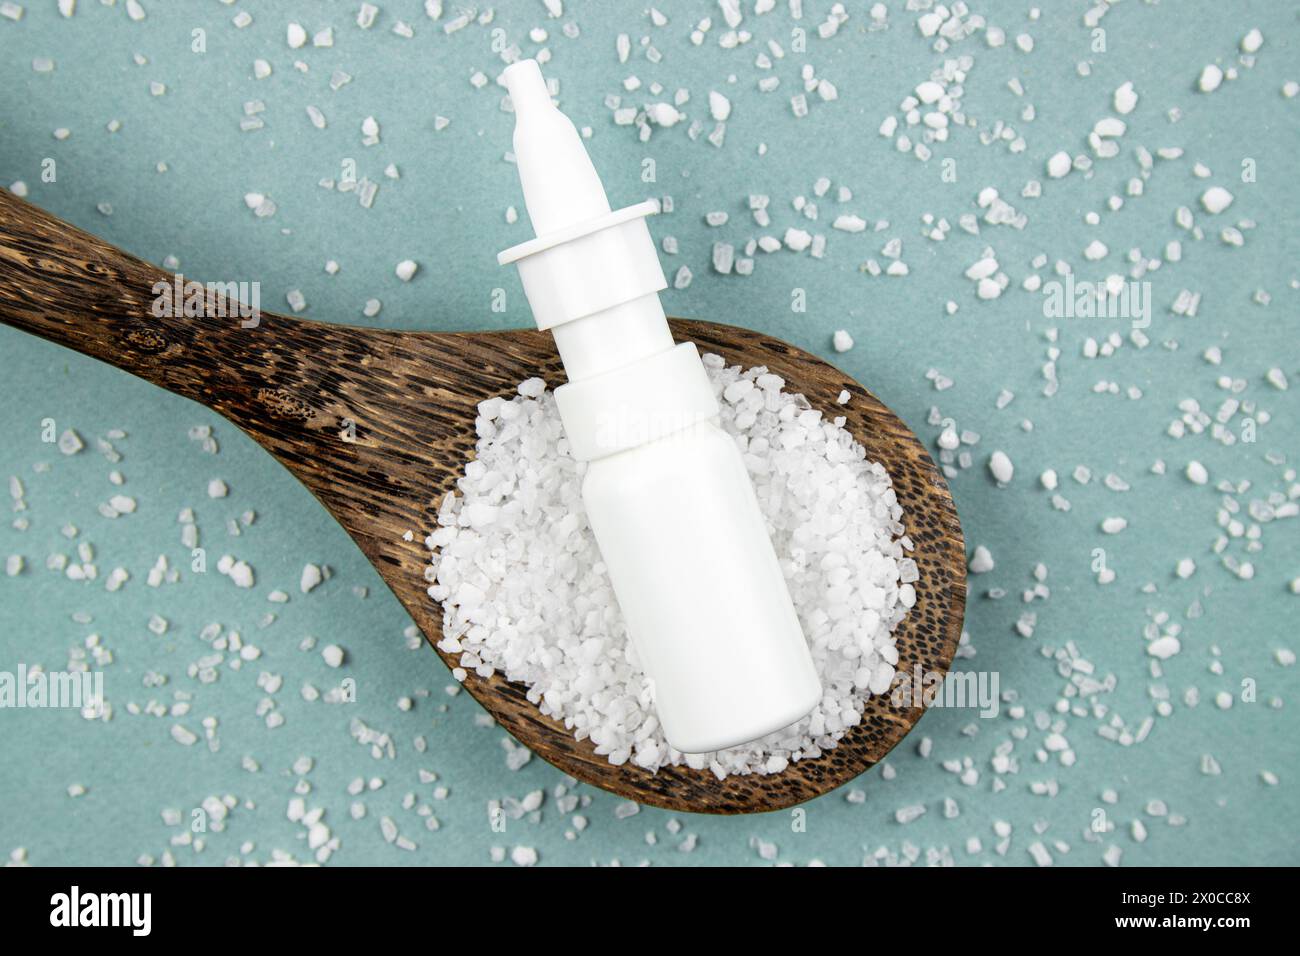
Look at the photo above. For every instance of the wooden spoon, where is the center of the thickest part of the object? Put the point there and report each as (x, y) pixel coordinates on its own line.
(411, 398)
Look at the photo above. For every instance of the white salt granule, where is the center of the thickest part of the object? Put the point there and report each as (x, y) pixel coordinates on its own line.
(1216, 199)
(1164, 647)
(842, 340)
(719, 106)
(981, 561)
(1058, 165)
(1125, 99)
(311, 576)
(523, 856)
(527, 594)
(183, 735)
(70, 442)
(1001, 468)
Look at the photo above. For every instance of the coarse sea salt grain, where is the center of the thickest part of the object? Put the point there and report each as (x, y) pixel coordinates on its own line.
(1059, 164)
(1216, 199)
(524, 591)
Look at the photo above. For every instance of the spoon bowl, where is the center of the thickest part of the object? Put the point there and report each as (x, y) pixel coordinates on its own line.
(378, 424)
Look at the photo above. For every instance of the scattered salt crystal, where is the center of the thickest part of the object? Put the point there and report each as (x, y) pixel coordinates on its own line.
(1216, 199)
(70, 442)
(909, 813)
(719, 106)
(842, 340)
(797, 240)
(311, 576)
(981, 561)
(241, 574)
(1001, 468)
(663, 114)
(524, 855)
(406, 269)
(1125, 99)
(183, 735)
(1164, 647)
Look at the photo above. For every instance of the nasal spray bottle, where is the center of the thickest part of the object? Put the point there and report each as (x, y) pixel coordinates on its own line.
(666, 490)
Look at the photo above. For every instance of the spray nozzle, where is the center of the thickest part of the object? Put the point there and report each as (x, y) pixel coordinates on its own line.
(561, 187)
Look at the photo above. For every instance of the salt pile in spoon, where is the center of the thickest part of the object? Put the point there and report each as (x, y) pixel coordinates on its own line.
(524, 592)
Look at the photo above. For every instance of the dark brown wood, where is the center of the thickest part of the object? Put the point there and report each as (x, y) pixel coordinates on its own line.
(293, 385)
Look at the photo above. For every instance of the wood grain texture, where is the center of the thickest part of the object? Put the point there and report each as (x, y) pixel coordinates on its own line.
(293, 386)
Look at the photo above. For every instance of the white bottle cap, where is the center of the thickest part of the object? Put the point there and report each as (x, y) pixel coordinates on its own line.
(585, 259)
(592, 277)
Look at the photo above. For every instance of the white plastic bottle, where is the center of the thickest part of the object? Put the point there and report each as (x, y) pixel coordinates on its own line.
(666, 490)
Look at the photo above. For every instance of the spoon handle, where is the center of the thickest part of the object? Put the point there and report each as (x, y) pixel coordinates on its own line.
(355, 413)
(67, 286)
(287, 382)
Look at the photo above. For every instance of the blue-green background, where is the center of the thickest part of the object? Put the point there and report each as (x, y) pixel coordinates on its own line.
(447, 211)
